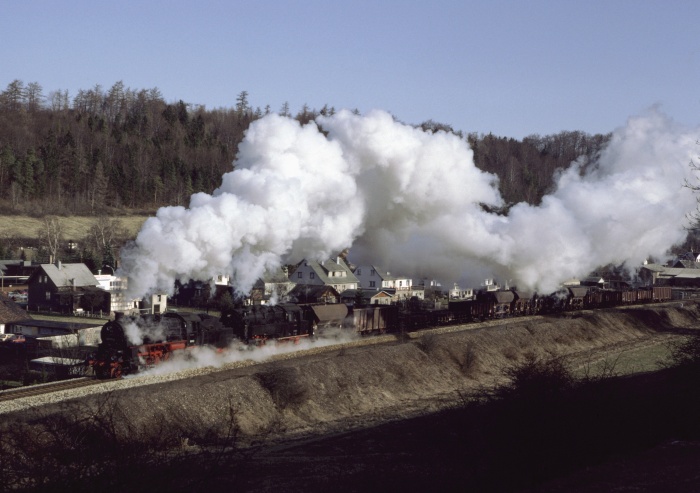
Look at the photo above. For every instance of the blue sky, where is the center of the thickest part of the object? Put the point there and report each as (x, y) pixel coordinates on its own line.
(513, 68)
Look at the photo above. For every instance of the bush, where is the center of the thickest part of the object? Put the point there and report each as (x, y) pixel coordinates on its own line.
(536, 379)
(428, 343)
(284, 386)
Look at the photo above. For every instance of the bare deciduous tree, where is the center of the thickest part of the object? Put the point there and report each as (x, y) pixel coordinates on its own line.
(51, 235)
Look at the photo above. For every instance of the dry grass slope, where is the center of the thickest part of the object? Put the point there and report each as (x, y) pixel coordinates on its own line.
(74, 227)
(326, 393)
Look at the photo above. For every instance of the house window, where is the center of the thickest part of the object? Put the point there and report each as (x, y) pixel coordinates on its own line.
(312, 275)
(300, 275)
(400, 283)
(371, 284)
(372, 272)
(48, 296)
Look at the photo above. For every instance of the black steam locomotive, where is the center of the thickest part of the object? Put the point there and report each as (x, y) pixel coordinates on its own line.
(130, 344)
(154, 338)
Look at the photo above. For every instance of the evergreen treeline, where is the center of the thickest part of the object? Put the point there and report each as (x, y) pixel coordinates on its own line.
(128, 148)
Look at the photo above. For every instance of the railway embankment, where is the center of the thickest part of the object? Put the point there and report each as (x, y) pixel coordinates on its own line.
(352, 386)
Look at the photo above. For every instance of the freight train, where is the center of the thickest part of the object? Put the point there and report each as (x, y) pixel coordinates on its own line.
(488, 305)
(156, 338)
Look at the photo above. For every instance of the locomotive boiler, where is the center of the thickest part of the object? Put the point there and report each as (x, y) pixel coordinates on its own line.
(258, 323)
(130, 344)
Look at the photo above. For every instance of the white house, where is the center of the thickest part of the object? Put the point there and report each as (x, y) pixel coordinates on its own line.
(334, 273)
(372, 277)
(116, 287)
(272, 286)
(457, 293)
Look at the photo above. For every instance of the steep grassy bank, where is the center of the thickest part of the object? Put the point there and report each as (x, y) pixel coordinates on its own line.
(351, 387)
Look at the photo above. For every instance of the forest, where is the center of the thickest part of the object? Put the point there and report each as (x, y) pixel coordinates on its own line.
(118, 148)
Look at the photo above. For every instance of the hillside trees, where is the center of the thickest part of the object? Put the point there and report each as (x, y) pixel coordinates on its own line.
(118, 147)
(527, 168)
(111, 148)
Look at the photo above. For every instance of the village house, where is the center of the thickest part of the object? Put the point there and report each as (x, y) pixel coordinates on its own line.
(115, 287)
(272, 287)
(59, 287)
(308, 293)
(333, 273)
(457, 293)
(661, 275)
(372, 277)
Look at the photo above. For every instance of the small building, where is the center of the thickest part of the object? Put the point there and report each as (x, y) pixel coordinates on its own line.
(10, 314)
(369, 297)
(14, 274)
(273, 287)
(48, 328)
(56, 368)
(661, 275)
(426, 289)
(305, 293)
(457, 293)
(59, 287)
(115, 287)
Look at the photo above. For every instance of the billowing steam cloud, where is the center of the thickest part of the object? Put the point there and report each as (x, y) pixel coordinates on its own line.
(409, 201)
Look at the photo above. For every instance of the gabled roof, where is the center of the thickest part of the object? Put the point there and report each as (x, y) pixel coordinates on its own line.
(685, 264)
(367, 294)
(276, 277)
(668, 272)
(382, 274)
(68, 275)
(323, 271)
(10, 311)
(309, 293)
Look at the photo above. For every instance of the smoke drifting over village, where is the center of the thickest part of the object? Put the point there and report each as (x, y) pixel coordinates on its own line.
(412, 202)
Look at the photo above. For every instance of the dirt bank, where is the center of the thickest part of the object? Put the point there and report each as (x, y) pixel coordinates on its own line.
(349, 388)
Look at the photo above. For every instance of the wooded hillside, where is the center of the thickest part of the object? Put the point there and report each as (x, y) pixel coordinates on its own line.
(128, 148)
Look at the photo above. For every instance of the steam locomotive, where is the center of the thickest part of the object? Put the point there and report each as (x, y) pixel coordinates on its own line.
(130, 344)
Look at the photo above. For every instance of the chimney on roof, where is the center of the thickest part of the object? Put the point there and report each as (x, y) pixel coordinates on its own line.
(58, 264)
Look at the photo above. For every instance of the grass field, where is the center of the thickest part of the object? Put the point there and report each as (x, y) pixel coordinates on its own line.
(74, 227)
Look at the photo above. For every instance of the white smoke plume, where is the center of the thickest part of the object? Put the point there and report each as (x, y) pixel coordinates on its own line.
(136, 333)
(409, 201)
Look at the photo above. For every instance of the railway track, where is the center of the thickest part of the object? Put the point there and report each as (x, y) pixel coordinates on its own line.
(47, 388)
